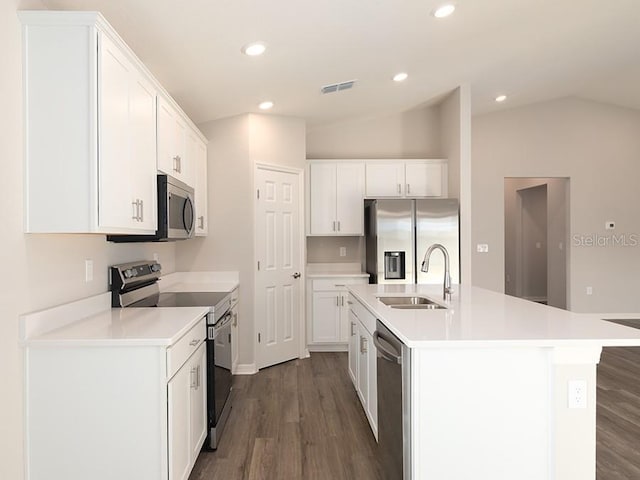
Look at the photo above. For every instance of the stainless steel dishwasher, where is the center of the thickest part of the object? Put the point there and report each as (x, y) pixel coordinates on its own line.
(394, 428)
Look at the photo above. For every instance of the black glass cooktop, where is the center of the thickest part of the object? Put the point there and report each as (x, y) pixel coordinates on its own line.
(190, 299)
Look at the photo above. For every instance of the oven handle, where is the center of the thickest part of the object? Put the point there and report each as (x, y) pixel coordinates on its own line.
(224, 321)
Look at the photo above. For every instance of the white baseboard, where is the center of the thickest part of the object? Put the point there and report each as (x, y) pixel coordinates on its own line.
(245, 369)
(329, 347)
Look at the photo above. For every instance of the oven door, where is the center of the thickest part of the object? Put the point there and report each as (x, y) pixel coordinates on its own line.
(180, 212)
(219, 370)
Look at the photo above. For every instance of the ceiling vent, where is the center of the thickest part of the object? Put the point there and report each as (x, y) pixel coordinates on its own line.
(337, 87)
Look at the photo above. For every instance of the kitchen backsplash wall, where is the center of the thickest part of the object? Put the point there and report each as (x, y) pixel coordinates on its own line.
(327, 249)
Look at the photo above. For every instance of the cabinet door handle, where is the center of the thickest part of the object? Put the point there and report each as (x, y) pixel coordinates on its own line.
(194, 378)
(134, 204)
(408, 188)
(338, 225)
(198, 377)
(341, 300)
(193, 343)
(142, 210)
(177, 167)
(334, 225)
(399, 189)
(353, 330)
(337, 300)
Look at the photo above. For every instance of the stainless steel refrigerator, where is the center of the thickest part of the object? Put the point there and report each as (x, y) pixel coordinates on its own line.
(398, 233)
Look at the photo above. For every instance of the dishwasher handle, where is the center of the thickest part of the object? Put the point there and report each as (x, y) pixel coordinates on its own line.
(386, 354)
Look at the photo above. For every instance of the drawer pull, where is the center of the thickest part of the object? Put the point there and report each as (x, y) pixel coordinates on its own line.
(193, 343)
(339, 285)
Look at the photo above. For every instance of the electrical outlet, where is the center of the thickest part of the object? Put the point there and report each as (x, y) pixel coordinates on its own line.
(343, 251)
(577, 393)
(482, 248)
(589, 290)
(156, 258)
(88, 270)
(610, 225)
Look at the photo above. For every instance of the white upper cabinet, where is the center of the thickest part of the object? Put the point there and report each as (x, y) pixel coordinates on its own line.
(336, 194)
(406, 178)
(173, 158)
(91, 121)
(385, 179)
(126, 138)
(197, 150)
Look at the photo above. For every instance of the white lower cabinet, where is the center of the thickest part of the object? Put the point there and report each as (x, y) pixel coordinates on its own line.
(118, 411)
(362, 360)
(187, 414)
(328, 313)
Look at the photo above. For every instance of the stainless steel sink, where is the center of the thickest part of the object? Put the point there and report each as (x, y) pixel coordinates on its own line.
(414, 302)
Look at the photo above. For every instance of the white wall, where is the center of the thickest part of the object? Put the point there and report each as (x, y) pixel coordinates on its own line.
(45, 270)
(455, 124)
(236, 145)
(411, 134)
(598, 147)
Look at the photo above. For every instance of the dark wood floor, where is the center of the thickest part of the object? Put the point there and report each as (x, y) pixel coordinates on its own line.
(618, 414)
(303, 420)
(298, 420)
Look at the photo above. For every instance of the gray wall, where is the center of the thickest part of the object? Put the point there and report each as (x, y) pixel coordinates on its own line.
(598, 147)
(411, 134)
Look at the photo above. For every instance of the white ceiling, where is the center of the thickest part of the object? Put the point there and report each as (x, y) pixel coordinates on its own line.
(532, 50)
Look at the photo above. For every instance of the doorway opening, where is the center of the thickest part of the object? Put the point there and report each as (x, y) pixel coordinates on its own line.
(536, 229)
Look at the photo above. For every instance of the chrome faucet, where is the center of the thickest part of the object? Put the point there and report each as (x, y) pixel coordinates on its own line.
(447, 290)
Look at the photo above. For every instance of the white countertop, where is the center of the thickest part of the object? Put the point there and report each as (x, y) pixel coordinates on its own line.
(476, 317)
(334, 270)
(125, 327)
(92, 322)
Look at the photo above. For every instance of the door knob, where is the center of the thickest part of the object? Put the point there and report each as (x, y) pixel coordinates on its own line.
(296, 275)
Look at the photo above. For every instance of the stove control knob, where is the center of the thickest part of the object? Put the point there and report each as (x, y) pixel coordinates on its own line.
(128, 273)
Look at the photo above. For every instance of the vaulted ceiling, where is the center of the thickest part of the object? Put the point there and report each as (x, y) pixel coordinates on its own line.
(530, 50)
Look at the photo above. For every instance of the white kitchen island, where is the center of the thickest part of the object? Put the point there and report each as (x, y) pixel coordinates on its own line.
(489, 383)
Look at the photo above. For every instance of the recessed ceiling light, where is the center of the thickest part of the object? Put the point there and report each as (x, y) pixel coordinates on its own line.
(501, 98)
(400, 77)
(444, 10)
(265, 105)
(254, 49)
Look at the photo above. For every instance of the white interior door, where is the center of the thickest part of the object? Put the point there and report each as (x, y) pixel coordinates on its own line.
(278, 280)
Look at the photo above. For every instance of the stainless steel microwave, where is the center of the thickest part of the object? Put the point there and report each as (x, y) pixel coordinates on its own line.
(176, 216)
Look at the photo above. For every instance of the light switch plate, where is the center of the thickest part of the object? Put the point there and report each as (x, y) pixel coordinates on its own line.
(482, 248)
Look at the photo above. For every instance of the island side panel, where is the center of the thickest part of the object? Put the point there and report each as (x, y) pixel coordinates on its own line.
(574, 429)
(481, 413)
